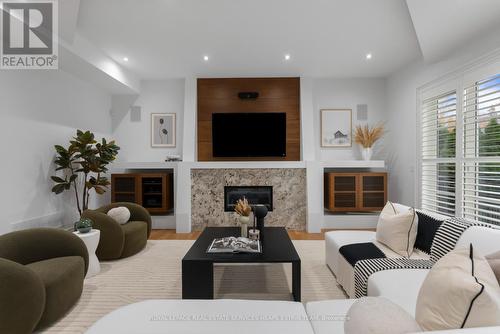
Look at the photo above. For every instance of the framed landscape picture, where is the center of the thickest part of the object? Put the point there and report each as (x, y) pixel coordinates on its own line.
(162, 130)
(336, 127)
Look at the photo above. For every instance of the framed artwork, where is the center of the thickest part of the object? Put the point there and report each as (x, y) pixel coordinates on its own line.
(336, 127)
(162, 130)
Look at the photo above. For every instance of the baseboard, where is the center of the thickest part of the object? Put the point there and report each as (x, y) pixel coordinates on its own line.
(51, 220)
(350, 221)
(183, 222)
(314, 222)
(55, 220)
(163, 222)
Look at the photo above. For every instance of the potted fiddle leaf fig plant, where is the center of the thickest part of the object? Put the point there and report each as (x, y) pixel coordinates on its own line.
(84, 164)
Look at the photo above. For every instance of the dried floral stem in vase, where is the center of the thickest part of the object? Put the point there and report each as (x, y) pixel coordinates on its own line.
(366, 136)
(242, 207)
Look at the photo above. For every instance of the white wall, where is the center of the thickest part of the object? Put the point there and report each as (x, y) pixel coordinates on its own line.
(334, 93)
(165, 96)
(402, 103)
(38, 110)
(347, 94)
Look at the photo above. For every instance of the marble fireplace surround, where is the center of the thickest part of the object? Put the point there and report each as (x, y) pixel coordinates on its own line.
(289, 195)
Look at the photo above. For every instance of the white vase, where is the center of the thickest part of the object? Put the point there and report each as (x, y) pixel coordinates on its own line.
(244, 220)
(367, 153)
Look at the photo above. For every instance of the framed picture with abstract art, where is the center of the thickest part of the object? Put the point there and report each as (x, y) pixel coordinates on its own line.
(336, 127)
(162, 130)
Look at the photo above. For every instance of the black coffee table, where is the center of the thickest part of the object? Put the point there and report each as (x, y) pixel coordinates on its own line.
(197, 264)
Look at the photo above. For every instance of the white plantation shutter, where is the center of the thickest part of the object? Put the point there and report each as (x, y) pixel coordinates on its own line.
(460, 146)
(438, 155)
(481, 145)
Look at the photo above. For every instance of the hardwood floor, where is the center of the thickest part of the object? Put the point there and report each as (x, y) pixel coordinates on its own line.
(172, 235)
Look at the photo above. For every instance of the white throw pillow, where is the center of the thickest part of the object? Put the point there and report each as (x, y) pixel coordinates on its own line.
(121, 214)
(377, 315)
(397, 230)
(460, 291)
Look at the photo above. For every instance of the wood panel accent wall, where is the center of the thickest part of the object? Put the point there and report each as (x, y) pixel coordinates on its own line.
(275, 95)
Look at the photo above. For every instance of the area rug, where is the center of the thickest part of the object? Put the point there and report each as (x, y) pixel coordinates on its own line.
(155, 273)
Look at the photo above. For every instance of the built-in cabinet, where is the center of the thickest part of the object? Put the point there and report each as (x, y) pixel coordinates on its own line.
(154, 191)
(355, 192)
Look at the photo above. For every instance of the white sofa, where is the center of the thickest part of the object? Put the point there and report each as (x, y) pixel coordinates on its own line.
(235, 316)
(343, 270)
(401, 286)
(318, 311)
(207, 317)
(485, 241)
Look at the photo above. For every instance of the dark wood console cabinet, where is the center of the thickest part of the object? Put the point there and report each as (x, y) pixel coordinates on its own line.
(355, 192)
(154, 191)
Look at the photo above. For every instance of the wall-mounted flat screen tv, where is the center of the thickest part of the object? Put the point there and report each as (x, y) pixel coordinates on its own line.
(249, 135)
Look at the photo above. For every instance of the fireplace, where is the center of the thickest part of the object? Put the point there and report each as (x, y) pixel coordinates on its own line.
(208, 195)
(254, 195)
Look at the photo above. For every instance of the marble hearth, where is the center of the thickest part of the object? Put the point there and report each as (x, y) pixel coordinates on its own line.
(289, 195)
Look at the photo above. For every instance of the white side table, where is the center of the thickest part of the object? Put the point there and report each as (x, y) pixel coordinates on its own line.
(91, 240)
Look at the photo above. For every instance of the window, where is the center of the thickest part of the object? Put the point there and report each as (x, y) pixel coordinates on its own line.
(460, 174)
(481, 137)
(439, 128)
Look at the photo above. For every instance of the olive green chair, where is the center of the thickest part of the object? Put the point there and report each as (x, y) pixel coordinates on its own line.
(119, 241)
(41, 277)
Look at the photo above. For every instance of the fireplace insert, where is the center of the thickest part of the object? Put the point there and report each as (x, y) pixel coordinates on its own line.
(254, 195)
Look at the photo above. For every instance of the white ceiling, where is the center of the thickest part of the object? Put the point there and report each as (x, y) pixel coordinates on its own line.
(325, 38)
(168, 38)
(442, 26)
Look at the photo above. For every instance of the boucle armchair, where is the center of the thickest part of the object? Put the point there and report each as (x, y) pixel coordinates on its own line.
(41, 277)
(120, 241)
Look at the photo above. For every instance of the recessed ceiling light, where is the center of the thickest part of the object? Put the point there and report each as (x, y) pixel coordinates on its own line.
(205, 58)
(125, 59)
(368, 56)
(287, 57)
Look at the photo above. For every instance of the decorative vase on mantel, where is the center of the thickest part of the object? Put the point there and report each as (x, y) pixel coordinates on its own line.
(244, 220)
(367, 153)
(366, 136)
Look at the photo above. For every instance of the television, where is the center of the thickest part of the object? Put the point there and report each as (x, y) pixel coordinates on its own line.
(249, 135)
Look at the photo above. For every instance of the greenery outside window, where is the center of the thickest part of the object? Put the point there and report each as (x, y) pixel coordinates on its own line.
(439, 128)
(460, 175)
(481, 140)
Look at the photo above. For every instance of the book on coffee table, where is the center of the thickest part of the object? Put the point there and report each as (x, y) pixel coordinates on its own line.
(234, 245)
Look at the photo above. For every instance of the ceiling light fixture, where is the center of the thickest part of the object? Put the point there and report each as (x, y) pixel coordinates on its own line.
(205, 58)
(125, 59)
(287, 57)
(368, 56)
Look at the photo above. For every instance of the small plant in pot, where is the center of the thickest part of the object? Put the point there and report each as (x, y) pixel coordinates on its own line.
(82, 167)
(243, 210)
(84, 225)
(366, 137)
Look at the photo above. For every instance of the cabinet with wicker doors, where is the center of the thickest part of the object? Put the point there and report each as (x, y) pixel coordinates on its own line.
(355, 192)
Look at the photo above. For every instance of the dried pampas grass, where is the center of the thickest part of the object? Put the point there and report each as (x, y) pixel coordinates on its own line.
(366, 136)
